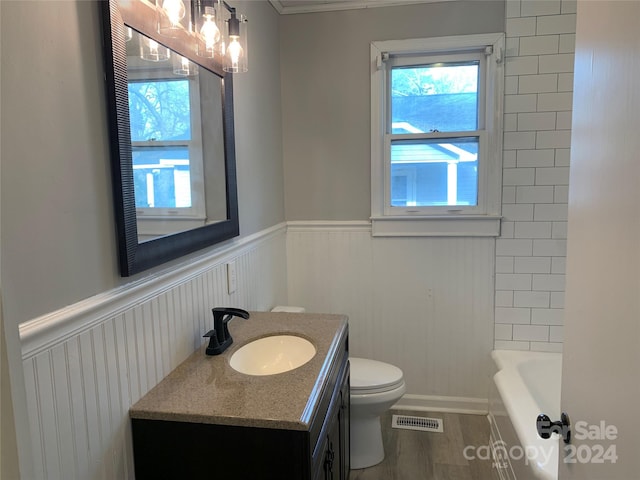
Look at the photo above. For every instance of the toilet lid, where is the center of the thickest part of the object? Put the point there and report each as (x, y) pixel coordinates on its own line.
(369, 374)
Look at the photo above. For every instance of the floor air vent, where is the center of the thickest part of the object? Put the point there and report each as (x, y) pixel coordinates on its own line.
(417, 423)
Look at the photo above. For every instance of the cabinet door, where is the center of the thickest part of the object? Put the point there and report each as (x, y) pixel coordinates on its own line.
(344, 421)
(333, 457)
(334, 440)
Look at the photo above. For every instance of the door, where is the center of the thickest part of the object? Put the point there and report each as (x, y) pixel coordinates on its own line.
(601, 361)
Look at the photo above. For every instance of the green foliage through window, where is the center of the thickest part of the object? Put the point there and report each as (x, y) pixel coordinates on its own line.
(159, 110)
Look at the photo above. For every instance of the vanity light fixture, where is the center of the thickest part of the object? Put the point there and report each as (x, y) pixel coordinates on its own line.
(207, 15)
(235, 55)
(209, 23)
(205, 22)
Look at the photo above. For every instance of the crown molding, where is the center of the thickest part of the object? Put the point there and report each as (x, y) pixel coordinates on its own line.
(277, 5)
(351, 5)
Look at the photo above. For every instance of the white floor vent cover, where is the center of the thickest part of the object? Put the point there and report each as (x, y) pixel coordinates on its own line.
(424, 424)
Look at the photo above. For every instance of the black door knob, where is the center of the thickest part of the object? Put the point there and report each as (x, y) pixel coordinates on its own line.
(546, 427)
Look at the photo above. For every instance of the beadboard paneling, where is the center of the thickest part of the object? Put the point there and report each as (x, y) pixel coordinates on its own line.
(423, 304)
(81, 383)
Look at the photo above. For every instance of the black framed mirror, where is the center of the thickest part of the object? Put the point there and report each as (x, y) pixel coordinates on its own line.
(171, 138)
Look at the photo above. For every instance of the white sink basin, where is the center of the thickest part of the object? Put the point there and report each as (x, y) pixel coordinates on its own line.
(271, 355)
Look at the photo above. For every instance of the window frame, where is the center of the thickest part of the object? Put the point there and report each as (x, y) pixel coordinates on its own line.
(158, 221)
(481, 220)
(479, 133)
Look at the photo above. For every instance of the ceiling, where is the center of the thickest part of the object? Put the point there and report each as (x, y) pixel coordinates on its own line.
(309, 6)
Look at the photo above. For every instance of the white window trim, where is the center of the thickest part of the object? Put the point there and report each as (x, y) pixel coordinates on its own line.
(486, 223)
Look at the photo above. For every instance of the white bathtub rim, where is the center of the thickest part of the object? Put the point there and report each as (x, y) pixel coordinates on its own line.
(508, 358)
(523, 409)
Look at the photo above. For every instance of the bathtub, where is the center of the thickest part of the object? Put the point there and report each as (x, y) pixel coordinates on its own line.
(525, 385)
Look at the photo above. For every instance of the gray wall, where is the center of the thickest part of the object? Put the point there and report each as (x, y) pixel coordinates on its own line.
(326, 99)
(58, 240)
(57, 223)
(258, 122)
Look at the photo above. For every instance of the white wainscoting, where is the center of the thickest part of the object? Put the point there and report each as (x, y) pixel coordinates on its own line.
(86, 364)
(423, 304)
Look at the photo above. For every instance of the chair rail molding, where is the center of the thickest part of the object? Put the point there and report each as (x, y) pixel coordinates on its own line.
(86, 364)
(46, 331)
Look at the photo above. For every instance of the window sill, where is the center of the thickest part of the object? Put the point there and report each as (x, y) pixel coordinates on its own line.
(437, 226)
(157, 226)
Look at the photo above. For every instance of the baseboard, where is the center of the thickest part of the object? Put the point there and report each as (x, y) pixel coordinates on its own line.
(432, 403)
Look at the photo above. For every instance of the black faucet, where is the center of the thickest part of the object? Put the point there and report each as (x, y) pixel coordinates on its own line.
(219, 337)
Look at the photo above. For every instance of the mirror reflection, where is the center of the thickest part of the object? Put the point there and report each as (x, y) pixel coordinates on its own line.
(178, 169)
(172, 140)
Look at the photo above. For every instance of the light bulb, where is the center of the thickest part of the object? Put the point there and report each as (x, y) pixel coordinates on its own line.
(153, 47)
(175, 10)
(234, 51)
(236, 54)
(152, 51)
(210, 31)
(182, 66)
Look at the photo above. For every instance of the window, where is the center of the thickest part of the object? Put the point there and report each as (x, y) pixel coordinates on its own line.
(163, 143)
(437, 136)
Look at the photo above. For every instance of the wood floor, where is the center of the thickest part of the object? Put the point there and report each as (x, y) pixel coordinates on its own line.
(416, 455)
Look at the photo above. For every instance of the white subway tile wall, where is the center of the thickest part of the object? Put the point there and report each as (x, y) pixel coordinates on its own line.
(530, 254)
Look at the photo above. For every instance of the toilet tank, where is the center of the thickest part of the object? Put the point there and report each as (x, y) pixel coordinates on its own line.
(288, 309)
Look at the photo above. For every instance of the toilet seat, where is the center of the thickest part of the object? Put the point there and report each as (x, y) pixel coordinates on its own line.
(371, 376)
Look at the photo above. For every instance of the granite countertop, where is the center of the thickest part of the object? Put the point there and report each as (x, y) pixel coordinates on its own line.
(205, 389)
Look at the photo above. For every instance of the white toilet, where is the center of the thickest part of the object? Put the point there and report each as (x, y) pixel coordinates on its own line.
(375, 387)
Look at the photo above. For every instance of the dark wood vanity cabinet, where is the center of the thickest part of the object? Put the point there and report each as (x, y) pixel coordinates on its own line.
(333, 446)
(183, 450)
